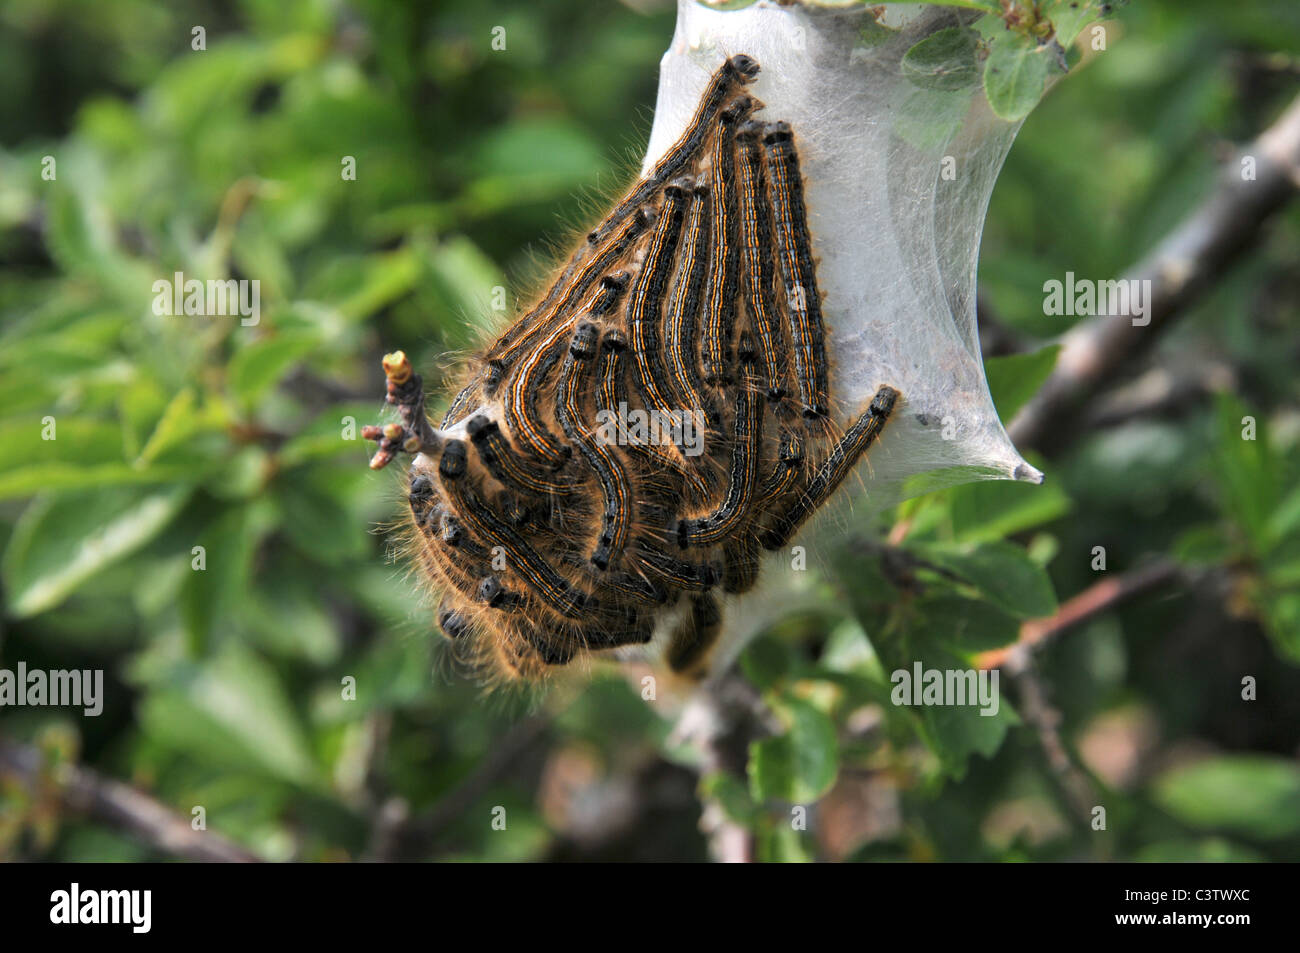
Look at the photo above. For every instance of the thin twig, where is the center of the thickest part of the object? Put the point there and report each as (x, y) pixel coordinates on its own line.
(1077, 788)
(1037, 712)
(84, 791)
(1092, 602)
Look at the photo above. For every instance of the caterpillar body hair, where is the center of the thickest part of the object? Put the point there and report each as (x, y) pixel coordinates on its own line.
(606, 464)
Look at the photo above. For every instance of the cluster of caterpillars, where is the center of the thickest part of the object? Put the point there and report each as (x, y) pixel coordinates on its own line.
(556, 526)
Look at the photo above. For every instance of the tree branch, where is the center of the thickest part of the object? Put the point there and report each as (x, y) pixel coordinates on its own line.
(1192, 257)
(1092, 602)
(1076, 787)
(82, 790)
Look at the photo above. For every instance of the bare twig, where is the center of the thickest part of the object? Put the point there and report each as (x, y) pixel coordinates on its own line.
(1181, 267)
(1075, 784)
(414, 434)
(82, 790)
(1090, 603)
(1076, 787)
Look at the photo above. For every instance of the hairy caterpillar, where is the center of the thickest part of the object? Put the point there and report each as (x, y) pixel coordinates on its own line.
(567, 531)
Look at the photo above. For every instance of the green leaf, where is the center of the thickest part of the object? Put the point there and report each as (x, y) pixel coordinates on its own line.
(731, 795)
(862, 577)
(242, 475)
(930, 118)
(260, 366)
(324, 436)
(232, 708)
(181, 420)
(994, 509)
(766, 661)
(1255, 795)
(1209, 850)
(936, 641)
(800, 765)
(780, 843)
(1015, 378)
(968, 625)
(989, 6)
(81, 235)
(320, 514)
(955, 732)
(77, 440)
(1002, 572)
(1285, 518)
(1205, 545)
(944, 60)
(531, 159)
(385, 277)
(1015, 74)
(62, 541)
(1247, 470)
(1069, 17)
(217, 590)
(72, 476)
(461, 278)
(290, 614)
(1281, 615)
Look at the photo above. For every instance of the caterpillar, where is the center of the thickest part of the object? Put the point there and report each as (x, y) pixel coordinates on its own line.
(592, 508)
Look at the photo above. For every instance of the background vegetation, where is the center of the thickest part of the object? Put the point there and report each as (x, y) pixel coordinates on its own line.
(223, 687)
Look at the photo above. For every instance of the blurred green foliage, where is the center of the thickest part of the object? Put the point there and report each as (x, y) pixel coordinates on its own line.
(226, 685)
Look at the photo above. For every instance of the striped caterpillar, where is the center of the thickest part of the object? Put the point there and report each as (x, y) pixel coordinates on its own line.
(550, 527)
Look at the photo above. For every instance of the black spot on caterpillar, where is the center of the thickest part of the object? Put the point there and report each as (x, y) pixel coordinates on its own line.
(843, 456)
(492, 592)
(610, 472)
(733, 74)
(454, 625)
(568, 538)
(682, 325)
(756, 257)
(745, 445)
(524, 561)
(803, 300)
(724, 268)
